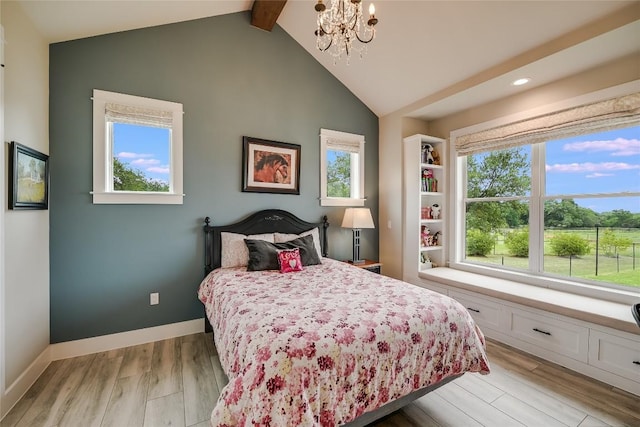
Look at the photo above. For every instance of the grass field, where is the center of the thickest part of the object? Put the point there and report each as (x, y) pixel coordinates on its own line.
(30, 191)
(620, 270)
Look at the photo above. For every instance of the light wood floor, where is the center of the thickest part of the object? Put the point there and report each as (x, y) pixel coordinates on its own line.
(176, 382)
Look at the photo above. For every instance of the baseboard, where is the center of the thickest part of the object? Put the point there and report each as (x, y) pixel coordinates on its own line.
(19, 387)
(65, 350)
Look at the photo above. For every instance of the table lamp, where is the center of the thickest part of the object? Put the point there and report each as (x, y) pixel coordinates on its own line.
(357, 219)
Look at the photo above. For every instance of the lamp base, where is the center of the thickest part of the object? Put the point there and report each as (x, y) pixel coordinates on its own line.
(357, 261)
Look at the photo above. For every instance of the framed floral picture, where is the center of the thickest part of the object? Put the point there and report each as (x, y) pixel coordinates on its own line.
(28, 177)
(270, 166)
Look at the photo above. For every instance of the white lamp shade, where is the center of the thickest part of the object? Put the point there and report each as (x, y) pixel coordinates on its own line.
(357, 218)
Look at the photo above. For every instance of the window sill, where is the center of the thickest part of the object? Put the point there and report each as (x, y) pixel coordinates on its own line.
(339, 201)
(614, 315)
(137, 198)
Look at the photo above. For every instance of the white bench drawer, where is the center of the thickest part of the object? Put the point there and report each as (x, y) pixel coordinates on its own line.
(615, 354)
(550, 333)
(486, 313)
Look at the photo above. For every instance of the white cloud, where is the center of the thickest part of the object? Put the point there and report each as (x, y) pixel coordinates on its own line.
(145, 162)
(590, 167)
(617, 147)
(599, 175)
(159, 169)
(129, 155)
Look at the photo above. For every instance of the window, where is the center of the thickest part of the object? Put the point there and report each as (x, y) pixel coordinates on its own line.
(565, 206)
(341, 169)
(137, 150)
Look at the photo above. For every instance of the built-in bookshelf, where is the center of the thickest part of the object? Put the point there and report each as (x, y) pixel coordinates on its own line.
(424, 204)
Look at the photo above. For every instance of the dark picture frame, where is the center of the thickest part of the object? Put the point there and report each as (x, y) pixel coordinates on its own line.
(270, 166)
(28, 178)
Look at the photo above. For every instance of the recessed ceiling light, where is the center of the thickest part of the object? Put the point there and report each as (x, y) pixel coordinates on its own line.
(521, 82)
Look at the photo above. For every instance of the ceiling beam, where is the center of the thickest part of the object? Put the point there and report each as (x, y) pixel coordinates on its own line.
(264, 13)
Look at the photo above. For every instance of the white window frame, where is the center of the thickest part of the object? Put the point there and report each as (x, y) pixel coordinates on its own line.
(103, 192)
(343, 141)
(457, 201)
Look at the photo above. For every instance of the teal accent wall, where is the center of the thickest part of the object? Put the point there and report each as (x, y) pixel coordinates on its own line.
(232, 80)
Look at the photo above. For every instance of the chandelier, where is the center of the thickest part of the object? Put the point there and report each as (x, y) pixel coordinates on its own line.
(341, 28)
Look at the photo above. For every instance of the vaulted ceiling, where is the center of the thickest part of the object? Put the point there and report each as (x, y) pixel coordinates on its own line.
(429, 59)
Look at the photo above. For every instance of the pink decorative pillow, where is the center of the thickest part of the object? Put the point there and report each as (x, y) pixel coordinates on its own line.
(289, 260)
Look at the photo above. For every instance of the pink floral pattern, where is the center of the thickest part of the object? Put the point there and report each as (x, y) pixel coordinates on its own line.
(327, 344)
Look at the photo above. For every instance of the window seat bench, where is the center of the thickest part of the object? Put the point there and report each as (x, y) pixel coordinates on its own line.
(597, 338)
(606, 313)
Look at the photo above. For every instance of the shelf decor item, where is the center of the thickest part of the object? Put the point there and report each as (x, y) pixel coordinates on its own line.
(29, 178)
(357, 219)
(429, 183)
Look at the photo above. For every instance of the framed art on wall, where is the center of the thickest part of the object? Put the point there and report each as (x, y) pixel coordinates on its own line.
(270, 166)
(28, 178)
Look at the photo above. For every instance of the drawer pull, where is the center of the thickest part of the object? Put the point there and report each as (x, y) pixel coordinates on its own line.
(473, 309)
(635, 362)
(542, 332)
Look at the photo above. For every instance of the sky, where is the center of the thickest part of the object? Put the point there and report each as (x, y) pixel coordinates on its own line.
(597, 163)
(144, 148)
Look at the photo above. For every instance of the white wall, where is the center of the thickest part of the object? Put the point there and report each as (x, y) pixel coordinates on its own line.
(2, 209)
(393, 128)
(26, 232)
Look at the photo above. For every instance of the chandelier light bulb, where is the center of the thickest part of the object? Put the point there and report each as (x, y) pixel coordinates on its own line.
(372, 10)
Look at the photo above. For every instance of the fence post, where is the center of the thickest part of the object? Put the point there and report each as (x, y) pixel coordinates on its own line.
(570, 259)
(618, 263)
(597, 246)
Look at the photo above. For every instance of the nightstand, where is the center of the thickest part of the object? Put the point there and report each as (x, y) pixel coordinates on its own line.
(373, 266)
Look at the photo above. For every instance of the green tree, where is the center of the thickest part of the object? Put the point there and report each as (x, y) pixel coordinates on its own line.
(568, 244)
(611, 244)
(126, 178)
(339, 175)
(620, 218)
(500, 173)
(516, 213)
(485, 216)
(517, 243)
(567, 214)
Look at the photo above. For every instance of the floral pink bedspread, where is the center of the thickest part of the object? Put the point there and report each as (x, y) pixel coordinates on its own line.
(324, 345)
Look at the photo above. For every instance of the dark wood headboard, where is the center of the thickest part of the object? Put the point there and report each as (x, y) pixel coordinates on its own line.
(265, 221)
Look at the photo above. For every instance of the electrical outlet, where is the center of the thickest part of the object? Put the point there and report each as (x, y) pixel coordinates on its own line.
(154, 298)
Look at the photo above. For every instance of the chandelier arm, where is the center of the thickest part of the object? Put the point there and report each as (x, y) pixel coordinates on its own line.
(328, 46)
(366, 41)
(325, 31)
(355, 20)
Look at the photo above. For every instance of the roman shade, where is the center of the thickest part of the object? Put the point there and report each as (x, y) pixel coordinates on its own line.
(138, 115)
(600, 116)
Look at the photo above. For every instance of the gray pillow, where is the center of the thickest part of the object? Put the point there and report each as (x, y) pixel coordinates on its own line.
(264, 255)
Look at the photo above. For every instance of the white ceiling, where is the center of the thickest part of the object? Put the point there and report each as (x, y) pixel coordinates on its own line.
(430, 58)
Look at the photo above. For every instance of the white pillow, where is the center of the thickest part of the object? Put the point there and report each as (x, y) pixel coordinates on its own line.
(234, 252)
(281, 238)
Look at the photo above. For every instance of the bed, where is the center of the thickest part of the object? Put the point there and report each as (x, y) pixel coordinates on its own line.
(329, 345)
